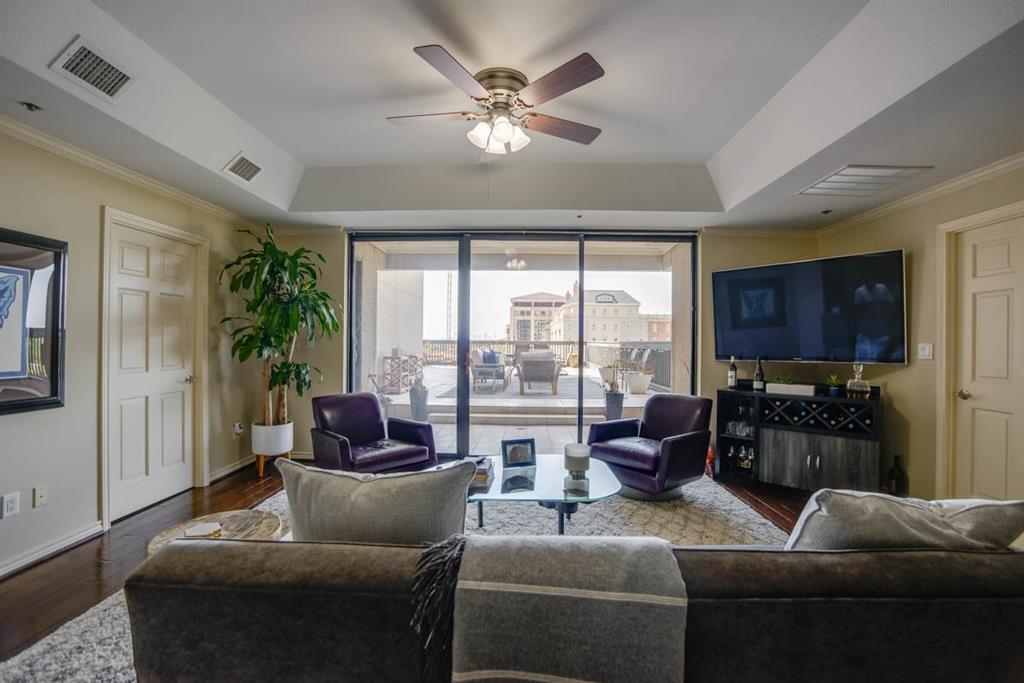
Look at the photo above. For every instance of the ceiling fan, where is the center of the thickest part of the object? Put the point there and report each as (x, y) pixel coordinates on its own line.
(505, 99)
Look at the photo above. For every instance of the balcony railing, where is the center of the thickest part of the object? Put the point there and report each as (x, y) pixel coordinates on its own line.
(597, 354)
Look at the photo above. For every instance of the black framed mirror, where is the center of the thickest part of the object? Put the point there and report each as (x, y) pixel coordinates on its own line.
(33, 276)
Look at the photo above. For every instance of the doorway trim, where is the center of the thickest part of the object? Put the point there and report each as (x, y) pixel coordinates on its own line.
(200, 427)
(948, 329)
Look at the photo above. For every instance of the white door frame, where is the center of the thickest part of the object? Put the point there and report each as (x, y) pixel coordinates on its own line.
(200, 428)
(948, 329)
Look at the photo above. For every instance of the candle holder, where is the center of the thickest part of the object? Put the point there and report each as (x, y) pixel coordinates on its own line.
(577, 460)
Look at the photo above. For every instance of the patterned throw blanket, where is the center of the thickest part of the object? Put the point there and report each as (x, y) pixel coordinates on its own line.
(531, 608)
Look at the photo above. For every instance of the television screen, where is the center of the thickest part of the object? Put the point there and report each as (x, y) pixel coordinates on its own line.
(848, 309)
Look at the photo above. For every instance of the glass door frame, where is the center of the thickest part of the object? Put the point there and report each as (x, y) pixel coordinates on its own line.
(464, 240)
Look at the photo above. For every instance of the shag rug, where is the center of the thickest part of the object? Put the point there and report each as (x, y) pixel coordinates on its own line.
(97, 645)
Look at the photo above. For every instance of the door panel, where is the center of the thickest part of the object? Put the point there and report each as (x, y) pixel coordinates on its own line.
(786, 457)
(151, 335)
(988, 461)
(845, 464)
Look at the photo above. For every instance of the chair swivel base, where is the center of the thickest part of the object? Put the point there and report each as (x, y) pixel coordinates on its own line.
(637, 494)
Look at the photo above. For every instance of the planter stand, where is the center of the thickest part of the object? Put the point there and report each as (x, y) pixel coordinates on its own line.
(262, 459)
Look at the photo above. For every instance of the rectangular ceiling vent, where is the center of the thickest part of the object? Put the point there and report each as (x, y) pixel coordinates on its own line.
(242, 168)
(82, 64)
(862, 181)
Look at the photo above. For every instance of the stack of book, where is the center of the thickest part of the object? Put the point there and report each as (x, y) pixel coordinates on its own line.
(484, 475)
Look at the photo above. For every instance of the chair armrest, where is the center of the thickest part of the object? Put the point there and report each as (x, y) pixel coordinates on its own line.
(411, 431)
(331, 451)
(685, 455)
(613, 429)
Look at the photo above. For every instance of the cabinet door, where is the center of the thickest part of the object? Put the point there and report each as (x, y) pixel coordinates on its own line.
(786, 457)
(845, 464)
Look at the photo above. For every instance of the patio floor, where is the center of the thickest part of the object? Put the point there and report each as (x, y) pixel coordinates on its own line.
(497, 414)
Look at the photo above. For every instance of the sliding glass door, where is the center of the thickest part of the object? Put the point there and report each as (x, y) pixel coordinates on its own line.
(491, 337)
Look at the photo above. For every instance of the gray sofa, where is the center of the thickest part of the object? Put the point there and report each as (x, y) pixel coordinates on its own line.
(258, 611)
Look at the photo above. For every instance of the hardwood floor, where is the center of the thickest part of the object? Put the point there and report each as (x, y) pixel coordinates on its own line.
(34, 602)
(778, 504)
(37, 600)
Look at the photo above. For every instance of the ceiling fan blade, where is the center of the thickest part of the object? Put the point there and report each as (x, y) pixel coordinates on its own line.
(443, 116)
(561, 128)
(571, 75)
(439, 58)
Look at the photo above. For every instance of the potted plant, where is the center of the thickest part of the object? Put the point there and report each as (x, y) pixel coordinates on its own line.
(612, 399)
(639, 381)
(785, 384)
(834, 384)
(282, 300)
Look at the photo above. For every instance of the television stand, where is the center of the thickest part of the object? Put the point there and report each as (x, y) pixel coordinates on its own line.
(803, 442)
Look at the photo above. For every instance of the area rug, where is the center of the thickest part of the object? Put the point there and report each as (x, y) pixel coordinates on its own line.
(97, 645)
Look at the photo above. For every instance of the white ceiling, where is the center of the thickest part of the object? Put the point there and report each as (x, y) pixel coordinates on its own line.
(714, 113)
(319, 77)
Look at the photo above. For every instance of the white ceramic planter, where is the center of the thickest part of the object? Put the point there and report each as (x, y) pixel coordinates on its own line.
(638, 382)
(272, 440)
(790, 389)
(607, 374)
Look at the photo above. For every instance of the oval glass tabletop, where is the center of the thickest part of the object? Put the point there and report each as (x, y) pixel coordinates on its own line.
(545, 482)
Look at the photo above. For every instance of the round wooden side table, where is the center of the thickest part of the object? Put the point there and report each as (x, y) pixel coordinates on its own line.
(256, 525)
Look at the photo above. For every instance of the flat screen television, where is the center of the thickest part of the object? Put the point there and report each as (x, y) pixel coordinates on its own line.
(848, 309)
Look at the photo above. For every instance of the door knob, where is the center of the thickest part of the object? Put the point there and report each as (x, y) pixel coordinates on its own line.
(189, 379)
(963, 395)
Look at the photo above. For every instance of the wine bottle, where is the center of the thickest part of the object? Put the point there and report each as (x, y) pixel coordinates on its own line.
(894, 479)
(732, 372)
(758, 376)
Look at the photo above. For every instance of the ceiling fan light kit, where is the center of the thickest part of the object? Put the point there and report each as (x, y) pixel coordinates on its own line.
(506, 100)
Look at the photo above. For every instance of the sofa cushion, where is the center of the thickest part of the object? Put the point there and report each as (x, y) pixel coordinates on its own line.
(846, 520)
(387, 454)
(631, 451)
(407, 508)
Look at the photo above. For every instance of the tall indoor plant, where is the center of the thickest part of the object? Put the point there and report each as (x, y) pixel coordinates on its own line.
(282, 301)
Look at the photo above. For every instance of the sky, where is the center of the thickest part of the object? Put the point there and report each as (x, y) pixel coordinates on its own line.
(491, 291)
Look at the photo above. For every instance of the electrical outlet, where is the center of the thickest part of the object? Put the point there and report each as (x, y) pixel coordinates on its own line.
(239, 429)
(40, 495)
(925, 351)
(11, 504)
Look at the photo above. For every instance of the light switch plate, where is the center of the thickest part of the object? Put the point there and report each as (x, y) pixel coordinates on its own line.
(40, 495)
(10, 504)
(925, 351)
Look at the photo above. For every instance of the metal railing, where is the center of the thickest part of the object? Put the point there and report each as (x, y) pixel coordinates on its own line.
(443, 351)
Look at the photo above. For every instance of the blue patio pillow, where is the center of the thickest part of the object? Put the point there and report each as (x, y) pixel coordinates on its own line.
(490, 357)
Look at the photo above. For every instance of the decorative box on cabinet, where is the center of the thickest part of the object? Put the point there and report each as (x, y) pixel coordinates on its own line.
(801, 442)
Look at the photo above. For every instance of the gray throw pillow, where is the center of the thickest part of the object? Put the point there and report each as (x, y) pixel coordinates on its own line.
(847, 520)
(405, 508)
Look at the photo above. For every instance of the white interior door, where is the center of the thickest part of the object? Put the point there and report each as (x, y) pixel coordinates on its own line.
(151, 333)
(989, 461)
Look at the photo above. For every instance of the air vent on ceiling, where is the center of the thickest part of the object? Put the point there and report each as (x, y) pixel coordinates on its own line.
(863, 181)
(82, 64)
(242, 168)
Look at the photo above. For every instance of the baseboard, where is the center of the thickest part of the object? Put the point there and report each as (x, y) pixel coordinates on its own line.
(42, 552)
(302, 455)
(222, 472)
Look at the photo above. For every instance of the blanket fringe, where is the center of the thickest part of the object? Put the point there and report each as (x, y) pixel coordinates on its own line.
(437, 573)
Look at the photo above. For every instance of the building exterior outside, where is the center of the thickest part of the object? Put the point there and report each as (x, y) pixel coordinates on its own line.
(530, 316)
(659, 327)
(611, 315)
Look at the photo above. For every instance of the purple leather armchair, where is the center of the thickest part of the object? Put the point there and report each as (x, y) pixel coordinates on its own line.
(351, 435)
(654, 457)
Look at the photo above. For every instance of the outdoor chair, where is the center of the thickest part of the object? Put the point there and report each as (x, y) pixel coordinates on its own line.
(487, 372)
(538, 366)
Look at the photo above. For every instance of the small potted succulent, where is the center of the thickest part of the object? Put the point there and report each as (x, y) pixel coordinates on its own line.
(834, 384)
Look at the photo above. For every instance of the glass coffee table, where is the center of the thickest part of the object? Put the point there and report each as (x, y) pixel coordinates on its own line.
(544, 484)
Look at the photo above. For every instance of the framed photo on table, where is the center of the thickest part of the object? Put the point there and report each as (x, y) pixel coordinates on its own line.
(518, 453)
(33, 272)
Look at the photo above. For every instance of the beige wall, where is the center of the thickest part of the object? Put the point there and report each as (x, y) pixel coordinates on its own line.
(326, 354)
(45, 194)
(910, 391)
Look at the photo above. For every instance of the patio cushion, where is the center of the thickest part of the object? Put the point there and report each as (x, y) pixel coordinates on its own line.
(387, 454)
(631, 451)
(538, 354)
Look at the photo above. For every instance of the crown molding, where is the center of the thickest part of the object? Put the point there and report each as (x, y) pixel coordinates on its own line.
(1006, 165)
(326, 231)
(47, 142)
(759, 233)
